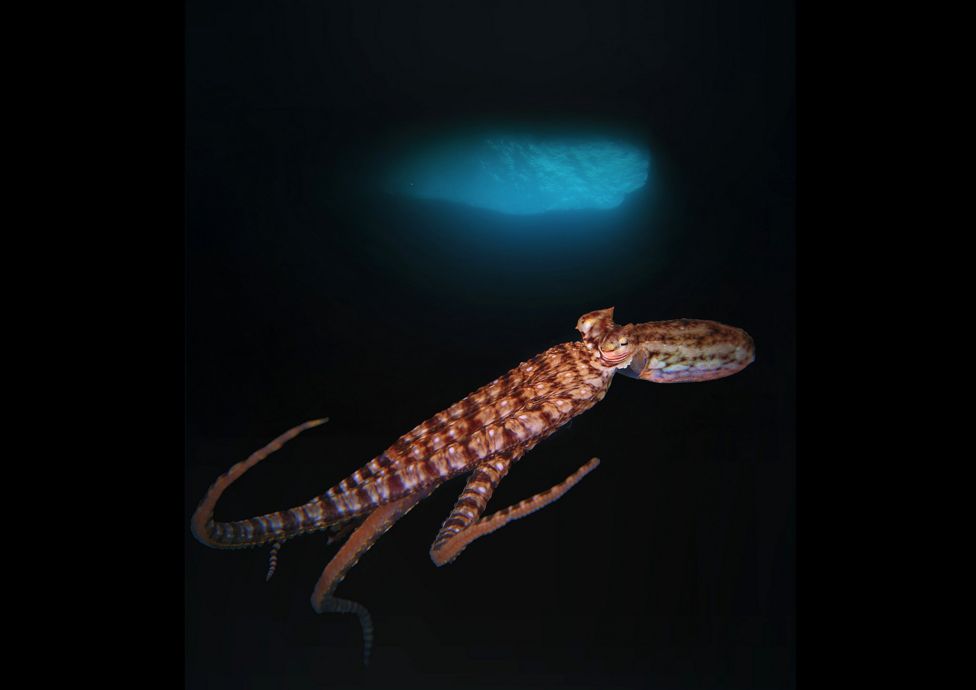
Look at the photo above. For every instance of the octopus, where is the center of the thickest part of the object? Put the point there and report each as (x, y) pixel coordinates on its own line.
(480, 436)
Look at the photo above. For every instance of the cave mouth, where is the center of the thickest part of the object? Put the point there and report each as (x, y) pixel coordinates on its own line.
(523, 174)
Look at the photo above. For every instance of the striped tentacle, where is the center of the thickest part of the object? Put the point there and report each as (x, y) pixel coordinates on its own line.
(372, 528)
(244, 533)
(332, 604)
(454, 423)
(517, 409)
(319, 513)
(472, 502)
(273, 560)
(510, 395)
(453, 546)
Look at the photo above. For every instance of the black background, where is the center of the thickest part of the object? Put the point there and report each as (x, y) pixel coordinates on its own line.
(310, 293)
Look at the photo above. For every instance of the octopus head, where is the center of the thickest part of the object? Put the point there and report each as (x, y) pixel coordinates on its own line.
(687, 350)
(673, 351)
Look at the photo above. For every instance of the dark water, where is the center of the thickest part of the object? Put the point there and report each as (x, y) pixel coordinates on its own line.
(311, 293)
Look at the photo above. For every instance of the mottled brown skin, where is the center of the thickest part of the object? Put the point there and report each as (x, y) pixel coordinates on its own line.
(483, 435)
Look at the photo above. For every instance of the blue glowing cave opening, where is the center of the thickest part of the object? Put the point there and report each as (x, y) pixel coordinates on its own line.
(523, 174)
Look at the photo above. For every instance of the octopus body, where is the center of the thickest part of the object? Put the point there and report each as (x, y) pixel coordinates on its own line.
(481, 436)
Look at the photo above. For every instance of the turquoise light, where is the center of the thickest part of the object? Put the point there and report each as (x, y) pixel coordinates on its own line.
(524, 174)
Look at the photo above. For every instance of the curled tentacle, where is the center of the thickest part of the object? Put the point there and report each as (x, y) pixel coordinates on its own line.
(212, 533)
(332, 604)
(273, 560)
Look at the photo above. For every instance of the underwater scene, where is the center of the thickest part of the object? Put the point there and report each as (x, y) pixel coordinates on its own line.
(474, 238)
